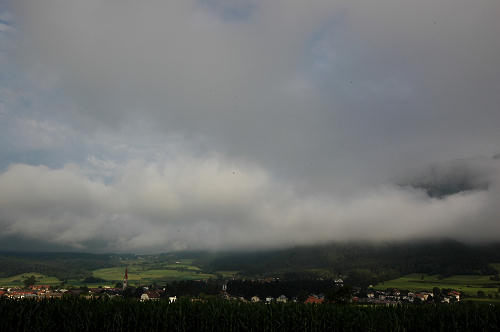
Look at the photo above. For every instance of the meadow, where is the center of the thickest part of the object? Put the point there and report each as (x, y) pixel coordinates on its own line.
(467, 284)
(142, 272)
(17, 280)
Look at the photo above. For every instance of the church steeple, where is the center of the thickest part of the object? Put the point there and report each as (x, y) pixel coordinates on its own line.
(125, 279)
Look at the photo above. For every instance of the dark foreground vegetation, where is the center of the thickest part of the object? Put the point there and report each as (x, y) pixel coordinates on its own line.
(76, 314)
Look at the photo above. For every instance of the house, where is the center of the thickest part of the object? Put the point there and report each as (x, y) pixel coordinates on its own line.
(454, 295)
(40, 287)
(255, 299)
(422, 297)
(21, 295)
(150, 296)
(314, 299)
(282, 299)
(172, 299)
(269, 299)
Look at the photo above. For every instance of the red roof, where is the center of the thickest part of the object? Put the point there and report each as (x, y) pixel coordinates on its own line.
(21, 293)
(153, 294)
(314, 299)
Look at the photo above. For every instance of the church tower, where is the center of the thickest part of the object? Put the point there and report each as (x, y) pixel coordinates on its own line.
(125, 279)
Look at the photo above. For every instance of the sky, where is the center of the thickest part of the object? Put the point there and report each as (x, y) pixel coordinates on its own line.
(152, 126)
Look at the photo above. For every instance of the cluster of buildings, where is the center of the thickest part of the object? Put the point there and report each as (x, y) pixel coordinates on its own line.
(38, 291)
(280, 299)
(395, 296)
(47, 292)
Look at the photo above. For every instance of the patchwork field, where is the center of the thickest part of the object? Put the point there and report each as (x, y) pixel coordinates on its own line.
(17, 280)
(143, 272)
(468, 284)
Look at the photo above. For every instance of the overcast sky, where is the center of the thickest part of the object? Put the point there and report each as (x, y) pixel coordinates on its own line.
(147, 126)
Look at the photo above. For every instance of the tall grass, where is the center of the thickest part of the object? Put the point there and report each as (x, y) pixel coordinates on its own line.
(74, 314)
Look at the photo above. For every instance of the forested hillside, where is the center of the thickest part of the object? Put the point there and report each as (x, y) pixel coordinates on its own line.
(362, 262)
(61, 265)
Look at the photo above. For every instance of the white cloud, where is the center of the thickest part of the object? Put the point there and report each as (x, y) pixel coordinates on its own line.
(190, 203)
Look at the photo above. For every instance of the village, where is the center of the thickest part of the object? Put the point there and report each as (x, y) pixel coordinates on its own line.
(341, 294)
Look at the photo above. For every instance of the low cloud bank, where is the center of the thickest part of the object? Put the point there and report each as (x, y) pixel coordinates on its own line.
(190, 203)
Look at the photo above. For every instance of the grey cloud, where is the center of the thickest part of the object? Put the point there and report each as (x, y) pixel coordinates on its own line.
(452, 177)
(329, 105)
(398, 82)
(191, 203)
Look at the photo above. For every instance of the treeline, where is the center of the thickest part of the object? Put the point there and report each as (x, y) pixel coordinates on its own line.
(364, 263)
(194, 288)
(76, 314)
(290, 288)
(61, 265)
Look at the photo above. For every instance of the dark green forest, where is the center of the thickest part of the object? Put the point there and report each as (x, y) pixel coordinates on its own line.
(364, 263)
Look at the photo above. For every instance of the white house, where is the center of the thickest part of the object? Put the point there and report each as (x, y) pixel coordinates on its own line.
(282, 299)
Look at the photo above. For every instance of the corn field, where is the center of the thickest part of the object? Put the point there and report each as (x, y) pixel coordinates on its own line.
(75, 314)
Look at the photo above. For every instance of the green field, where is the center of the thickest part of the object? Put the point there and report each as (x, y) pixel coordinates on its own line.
(468, 284)
(182, 266)
(17, 280)
(142, 271)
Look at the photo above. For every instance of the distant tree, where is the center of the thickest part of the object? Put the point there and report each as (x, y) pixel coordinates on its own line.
(131, 292)
(339, 295)
(93, 280)
(30, 281)
(302, 296)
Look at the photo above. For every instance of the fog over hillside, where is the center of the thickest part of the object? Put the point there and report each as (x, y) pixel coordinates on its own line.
(220, 124)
